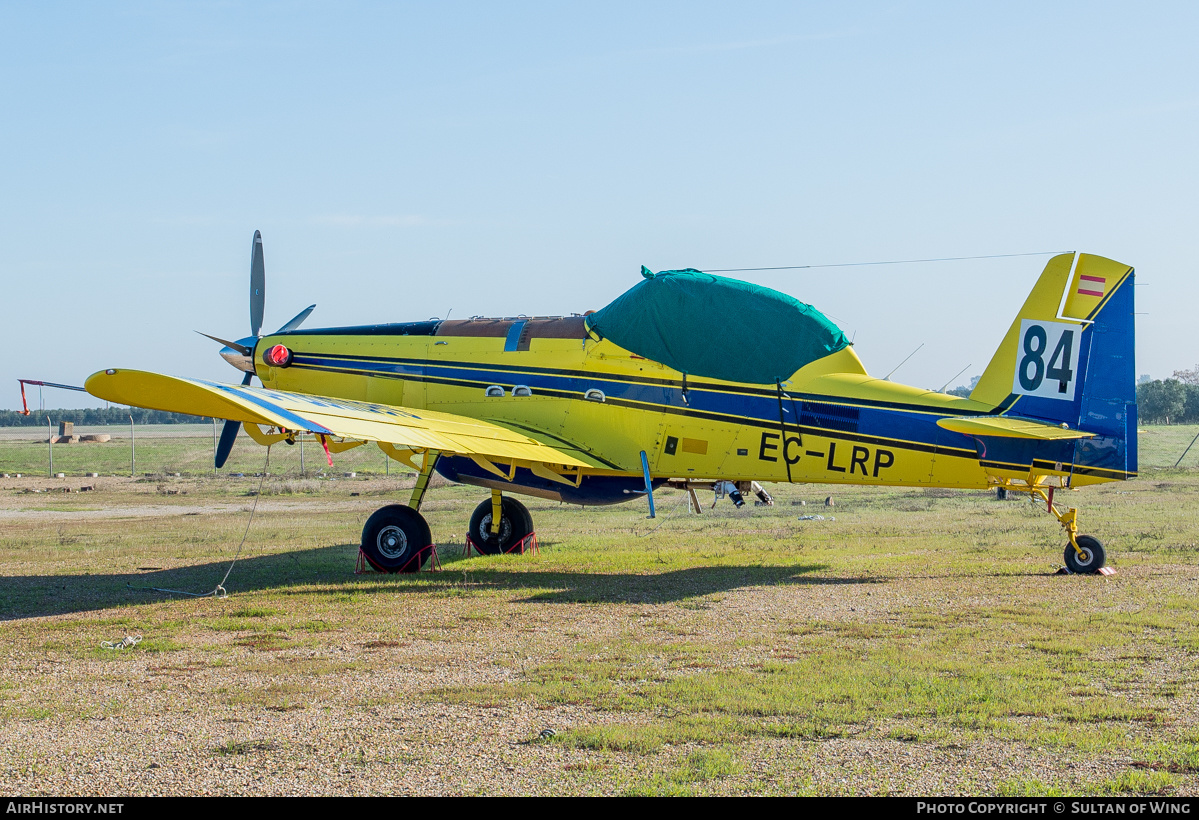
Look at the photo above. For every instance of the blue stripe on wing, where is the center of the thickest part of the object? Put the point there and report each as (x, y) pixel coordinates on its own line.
(299, 422)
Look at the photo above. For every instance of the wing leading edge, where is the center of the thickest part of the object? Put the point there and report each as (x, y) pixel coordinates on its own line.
(361, 421)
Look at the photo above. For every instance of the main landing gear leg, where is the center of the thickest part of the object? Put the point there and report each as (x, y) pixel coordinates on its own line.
(497, 511)
(396, 538)
(1084, 554)
(499, 525)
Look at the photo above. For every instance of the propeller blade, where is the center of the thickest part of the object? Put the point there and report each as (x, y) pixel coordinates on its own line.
(297, 320)
(240, 348)
(228, 436)
(257, 285)
(229, 433)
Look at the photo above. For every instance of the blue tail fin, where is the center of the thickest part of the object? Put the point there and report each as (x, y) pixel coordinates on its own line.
(1109, 396)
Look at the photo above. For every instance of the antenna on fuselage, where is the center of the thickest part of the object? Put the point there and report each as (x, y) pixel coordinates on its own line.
(901, 364)
(951, 378)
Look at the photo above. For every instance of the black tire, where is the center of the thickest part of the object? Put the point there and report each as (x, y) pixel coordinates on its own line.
(392, 538)
(1093, 557)
(515, 525)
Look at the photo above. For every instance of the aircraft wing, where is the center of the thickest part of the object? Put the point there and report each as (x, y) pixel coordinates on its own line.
(322, 415)
(1010, 427)
(584, 454)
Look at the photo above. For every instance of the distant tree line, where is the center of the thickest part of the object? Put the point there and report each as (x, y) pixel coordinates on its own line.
(964, 391)
(1168, 401)
(96, 416)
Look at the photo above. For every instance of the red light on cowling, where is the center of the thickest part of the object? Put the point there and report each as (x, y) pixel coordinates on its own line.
(277, 356)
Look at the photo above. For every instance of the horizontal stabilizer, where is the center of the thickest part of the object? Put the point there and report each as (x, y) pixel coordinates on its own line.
(365, 421)
(1011, 427)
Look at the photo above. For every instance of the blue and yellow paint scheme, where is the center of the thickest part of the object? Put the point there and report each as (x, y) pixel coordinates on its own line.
(550, 408)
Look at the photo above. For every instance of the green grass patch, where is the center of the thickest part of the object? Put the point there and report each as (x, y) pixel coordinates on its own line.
(722, 653)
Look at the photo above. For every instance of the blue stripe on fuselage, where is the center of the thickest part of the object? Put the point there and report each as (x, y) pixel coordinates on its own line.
(916, 427)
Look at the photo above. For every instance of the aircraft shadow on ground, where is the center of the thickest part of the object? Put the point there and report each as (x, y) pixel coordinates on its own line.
(297, 572)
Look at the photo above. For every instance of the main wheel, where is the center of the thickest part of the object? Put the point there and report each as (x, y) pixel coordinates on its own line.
(1092, 558)
(392, 538)
(515, 526)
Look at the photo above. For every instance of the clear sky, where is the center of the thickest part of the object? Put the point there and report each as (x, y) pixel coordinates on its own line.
(405, 160)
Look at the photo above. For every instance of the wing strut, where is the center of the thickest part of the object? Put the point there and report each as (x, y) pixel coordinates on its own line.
(422, 480)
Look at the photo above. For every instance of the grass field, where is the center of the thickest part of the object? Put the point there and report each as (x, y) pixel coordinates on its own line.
(175, 448)
(913, 642)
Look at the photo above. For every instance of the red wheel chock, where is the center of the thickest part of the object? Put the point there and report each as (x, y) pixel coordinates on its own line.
(1100, 571)
(528, 544)
(363, 567)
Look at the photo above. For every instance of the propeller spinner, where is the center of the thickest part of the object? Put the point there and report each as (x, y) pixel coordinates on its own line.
(240, 354)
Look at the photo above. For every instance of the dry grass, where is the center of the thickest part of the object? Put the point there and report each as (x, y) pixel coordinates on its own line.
(917, 644)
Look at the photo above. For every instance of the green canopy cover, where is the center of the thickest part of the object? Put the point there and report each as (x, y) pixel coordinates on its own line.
(705, 325)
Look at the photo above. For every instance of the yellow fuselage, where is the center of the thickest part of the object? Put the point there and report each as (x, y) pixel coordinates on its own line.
(830, 423)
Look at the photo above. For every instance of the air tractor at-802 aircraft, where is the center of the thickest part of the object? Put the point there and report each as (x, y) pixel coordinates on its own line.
(687, 380)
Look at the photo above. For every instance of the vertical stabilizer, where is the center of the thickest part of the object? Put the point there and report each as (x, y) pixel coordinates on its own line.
(1068, 358)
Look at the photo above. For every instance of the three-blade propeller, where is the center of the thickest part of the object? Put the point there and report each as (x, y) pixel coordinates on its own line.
(243, 349)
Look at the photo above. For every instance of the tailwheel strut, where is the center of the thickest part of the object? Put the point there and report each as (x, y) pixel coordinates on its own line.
(1085, 553)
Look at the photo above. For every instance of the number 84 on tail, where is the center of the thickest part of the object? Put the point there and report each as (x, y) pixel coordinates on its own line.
(1046, 360)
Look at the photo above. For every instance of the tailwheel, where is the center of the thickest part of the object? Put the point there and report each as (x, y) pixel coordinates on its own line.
(394, 539)
(1084, 554)
(516, 524)
(1089, 556)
